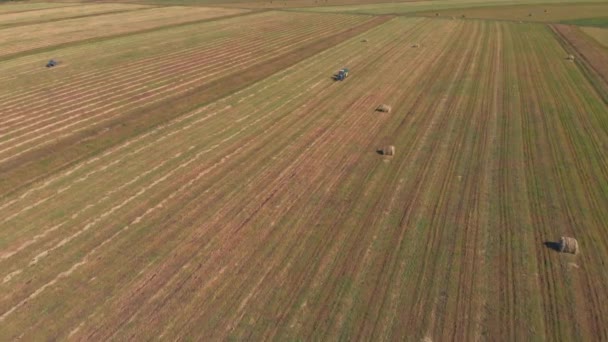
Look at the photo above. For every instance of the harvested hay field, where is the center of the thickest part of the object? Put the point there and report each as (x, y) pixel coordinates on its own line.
(597, 33)
(537, 13)
(19, 39)
(433, 6)
(51, 14)
(266, 212)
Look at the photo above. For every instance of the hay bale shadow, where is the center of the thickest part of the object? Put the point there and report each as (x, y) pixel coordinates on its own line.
(555, 246)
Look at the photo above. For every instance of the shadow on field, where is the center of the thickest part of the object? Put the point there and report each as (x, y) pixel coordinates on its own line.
(552, 245)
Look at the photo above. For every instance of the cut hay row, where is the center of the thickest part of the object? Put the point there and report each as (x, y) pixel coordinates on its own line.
(145, 99)
(19, 39)
(34, 16)
(167, 64)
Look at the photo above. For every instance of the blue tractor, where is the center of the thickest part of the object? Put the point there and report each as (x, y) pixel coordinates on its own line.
(51, 63)
(341, 75)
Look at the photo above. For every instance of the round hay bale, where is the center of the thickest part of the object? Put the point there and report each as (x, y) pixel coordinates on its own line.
(384, 108)
(388, 150)
(529, 14)
(568, 245)
(546, 11)
(436, 14)
(364, 40)
(570, 57)
(415, 45)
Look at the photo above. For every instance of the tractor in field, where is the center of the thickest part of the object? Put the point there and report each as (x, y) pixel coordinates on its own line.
(341, 75)
(51, 63)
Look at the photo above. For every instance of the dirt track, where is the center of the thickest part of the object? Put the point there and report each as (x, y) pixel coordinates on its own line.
(268, 214)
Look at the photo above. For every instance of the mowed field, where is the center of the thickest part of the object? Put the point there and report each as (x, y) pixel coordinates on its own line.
(50, 14)
(537, 13)
(599, 34)
(263, 210)
(408, 7)
(27, 37)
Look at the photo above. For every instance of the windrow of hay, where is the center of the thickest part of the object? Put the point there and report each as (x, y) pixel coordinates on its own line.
(568, 245)
(384, 108)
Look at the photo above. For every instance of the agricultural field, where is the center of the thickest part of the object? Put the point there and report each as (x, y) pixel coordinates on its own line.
(18, 39)
(538, 13)
(410, 7)
(599, 34)
(130, 74)
(50, 14)
(15, 7)
(211, 181)
(593, 22)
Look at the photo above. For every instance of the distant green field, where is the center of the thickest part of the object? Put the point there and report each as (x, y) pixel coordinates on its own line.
(554, 13)
(596, 22)
(422, 6)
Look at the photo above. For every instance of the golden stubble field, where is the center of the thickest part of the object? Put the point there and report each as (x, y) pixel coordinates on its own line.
(266, 212)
